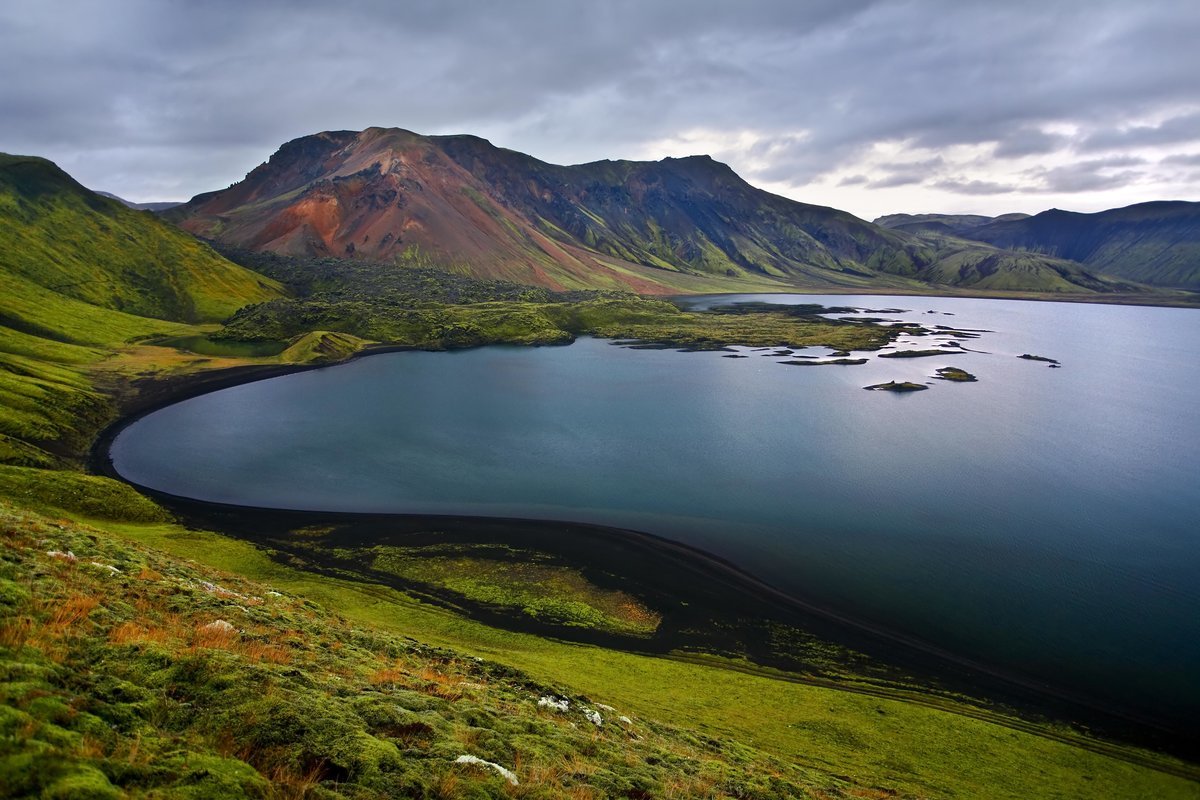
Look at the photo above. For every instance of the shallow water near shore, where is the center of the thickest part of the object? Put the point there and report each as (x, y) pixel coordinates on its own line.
(1045, 520)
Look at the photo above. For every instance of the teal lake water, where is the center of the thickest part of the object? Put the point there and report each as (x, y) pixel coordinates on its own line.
(1047, 520)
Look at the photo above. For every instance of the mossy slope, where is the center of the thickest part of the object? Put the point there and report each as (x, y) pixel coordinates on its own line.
(58, 235)
(127, 673)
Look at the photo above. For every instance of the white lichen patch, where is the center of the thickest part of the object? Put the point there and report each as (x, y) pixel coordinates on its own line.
(554, 703)
(219, 626)
(508, 774)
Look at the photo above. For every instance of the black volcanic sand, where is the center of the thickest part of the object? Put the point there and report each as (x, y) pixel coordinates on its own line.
(708, 605)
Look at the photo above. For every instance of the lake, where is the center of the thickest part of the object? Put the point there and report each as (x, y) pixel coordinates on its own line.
(1047, 520)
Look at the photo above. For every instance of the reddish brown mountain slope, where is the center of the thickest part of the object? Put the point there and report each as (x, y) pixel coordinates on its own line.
(389, 195)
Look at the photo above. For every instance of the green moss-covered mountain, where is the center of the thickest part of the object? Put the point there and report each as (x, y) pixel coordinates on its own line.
(58, 237)
(1154, 243)
(680, 224)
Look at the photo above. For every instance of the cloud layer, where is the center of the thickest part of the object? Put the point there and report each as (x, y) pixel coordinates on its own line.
(870, 106)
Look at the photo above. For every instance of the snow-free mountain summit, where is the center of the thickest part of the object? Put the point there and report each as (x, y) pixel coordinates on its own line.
(679, 224)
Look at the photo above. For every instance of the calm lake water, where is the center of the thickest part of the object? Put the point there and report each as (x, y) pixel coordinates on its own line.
(1043, 519)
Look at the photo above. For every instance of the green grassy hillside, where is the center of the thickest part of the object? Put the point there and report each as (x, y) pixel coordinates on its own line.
(58, 235)
(121, 675)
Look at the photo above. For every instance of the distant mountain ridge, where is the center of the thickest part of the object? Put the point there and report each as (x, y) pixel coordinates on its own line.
(680, 224)
(159, 206)
(1156, 243)
(952, 224)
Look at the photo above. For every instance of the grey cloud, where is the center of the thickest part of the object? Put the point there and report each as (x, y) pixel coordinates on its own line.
(1175, 130)
(975, 187)
(853, 180)
(906, 173)
(1029, 142)
(1186, 160)
(1089, 175)
(898, 179)
(142, 96)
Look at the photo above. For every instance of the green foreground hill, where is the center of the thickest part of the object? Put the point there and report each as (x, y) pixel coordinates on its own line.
(64, 239)
(118, 678)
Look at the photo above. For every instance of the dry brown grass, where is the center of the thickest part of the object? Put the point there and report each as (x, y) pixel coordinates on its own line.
(73, 610)
(133, 633)
(389, 677)
(15, 632)
(265, 651)
(147, 574)
(91, 747)
(448, 787)
(439, 684)
(211, 638)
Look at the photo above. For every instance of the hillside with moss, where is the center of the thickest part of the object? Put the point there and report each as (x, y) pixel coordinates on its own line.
(59, 237)
(125, 672)
(145, 655)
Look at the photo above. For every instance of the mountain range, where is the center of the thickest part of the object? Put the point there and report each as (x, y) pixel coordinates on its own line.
(679, 224)
(156, 206)
(950, 224)
(1156, 243)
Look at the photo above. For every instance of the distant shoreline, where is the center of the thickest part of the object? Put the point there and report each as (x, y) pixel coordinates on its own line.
(1186, 299)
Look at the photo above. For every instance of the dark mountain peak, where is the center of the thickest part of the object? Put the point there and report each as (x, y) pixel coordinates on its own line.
(465, 140)
(154, 206)
(700, 158)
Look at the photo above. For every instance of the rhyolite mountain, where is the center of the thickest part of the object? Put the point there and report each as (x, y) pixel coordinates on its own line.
(680, 224)
(1155, 243)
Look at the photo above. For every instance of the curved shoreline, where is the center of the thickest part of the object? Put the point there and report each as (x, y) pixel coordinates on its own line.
(989, 681)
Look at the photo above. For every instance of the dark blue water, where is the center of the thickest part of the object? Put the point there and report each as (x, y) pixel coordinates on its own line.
(1043, 519)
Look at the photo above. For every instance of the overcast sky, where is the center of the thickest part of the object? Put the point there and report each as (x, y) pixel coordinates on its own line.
(874, 107)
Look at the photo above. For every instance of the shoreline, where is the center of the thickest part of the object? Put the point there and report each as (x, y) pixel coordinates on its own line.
(1189, 300)
(931, 665)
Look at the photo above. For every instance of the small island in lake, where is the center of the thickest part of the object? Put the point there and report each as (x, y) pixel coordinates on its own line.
(1028, 357)
(893, 386)
(844, 361)
(955, 374)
